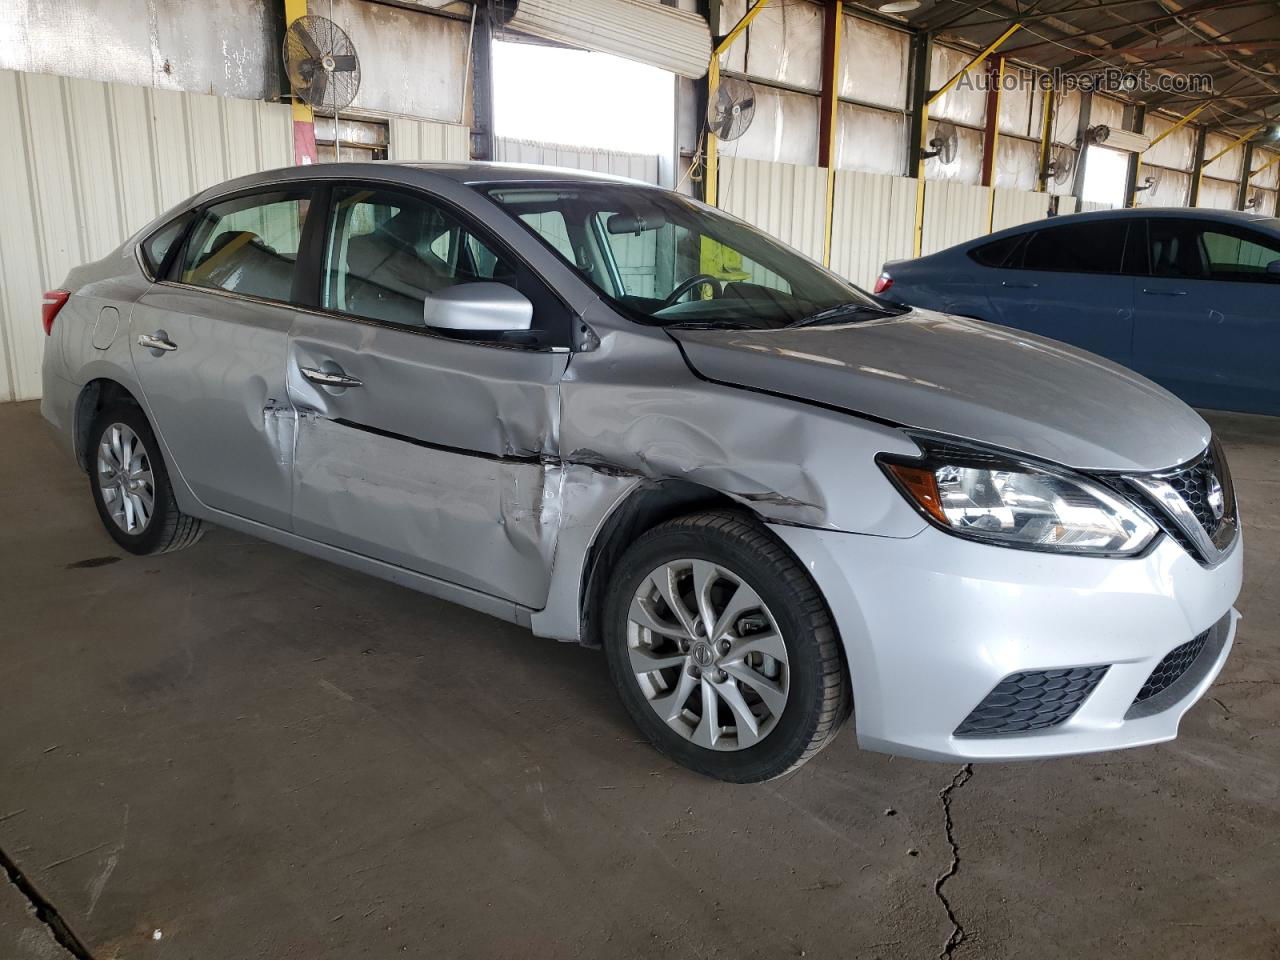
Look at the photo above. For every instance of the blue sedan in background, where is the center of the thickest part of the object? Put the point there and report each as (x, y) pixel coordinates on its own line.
(1187, 297)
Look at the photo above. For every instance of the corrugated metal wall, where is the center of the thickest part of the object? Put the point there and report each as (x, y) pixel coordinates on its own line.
(87, 163)
(411, 140)
(637, 166)
(783, 199)
(1014, 207)
(873, 221)
(953, 213)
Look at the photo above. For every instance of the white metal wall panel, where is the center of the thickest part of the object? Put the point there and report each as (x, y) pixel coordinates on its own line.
(873, 63)
(86, 164)
(1066, 205)
(1176, 150)
(1217, 194)
(871, 140)
(783, 130)
(784, 200)
(1088, 206)
(1017, 163)
(782, 44)
(1015, 207)
(953, 213)
(412, 140)
(637, 166)
(873, 220)
(1172, 189)
(963, 103)
(1227, 166)
(1265, 173)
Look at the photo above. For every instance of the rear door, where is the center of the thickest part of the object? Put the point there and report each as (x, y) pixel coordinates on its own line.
(1208, 316)
(1068, 282)
(439, 455)
(209, 342)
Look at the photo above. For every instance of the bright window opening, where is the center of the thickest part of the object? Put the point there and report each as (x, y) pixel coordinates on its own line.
(582, 99)
(1104, 176)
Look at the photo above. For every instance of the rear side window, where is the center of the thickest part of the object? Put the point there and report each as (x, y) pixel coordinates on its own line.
(1240, 256)
(157, 247)
(998, 253)
(1096, 247)
(248, 245)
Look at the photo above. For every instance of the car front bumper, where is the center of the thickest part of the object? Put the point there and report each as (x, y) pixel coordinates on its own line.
(931, 624)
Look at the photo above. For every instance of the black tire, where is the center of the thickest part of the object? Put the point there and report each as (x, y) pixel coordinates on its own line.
(168, 528)
(819, 699)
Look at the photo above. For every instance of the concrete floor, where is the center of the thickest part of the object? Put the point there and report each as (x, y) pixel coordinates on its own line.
(239, 752)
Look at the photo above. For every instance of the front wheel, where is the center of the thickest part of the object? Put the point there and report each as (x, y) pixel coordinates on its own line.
(131, 487)
(722, 649)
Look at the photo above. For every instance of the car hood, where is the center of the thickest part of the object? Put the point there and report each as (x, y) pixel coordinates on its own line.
(965, 378)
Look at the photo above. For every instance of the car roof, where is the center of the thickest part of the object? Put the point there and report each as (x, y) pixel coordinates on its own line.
(1128, 213)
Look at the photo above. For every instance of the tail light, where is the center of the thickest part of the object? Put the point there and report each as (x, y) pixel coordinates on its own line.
(53, 302)
(883, 283)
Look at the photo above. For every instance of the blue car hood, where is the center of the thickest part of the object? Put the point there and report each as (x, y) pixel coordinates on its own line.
(968, 379)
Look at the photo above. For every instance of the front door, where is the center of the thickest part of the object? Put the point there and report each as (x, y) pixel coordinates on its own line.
(423, 450)
(1068, 282)
(209, 347)
(1208, 318)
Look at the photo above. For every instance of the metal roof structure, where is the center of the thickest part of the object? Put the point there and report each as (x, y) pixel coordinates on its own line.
(1237, 42)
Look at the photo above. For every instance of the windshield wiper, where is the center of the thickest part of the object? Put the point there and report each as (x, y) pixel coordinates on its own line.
(712, 325)
(847, 311)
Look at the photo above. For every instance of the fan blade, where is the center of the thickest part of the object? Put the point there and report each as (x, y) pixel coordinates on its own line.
(319, 86)
(344, 64)
(307, 41)
(746, 104)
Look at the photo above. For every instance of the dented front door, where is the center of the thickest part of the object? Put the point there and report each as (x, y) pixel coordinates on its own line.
(428, 453)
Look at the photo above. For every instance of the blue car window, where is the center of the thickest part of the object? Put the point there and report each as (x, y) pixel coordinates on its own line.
(1096, 246)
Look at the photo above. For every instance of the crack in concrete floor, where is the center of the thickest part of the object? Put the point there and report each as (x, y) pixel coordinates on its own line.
(45, 911)
(958, 933)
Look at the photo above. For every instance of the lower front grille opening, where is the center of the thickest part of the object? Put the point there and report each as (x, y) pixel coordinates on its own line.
(1175, 663)
(1031, 700)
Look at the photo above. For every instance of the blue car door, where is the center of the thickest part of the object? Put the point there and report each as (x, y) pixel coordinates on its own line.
(1069, 282)
(1207, 323)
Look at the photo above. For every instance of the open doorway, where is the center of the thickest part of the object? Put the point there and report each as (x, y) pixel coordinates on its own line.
(582, 99)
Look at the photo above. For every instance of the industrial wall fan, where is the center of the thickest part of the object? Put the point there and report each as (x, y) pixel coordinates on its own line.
(944, 144)
(731, 110)
(322, 66)
(1062, 165)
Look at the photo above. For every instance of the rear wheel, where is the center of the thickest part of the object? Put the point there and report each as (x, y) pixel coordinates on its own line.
(723, 650)
(131, 487)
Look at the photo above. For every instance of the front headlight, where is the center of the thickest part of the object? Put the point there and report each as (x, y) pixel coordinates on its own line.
(993, 497)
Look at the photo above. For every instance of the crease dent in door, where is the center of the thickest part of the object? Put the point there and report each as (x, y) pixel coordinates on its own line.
(475, 504)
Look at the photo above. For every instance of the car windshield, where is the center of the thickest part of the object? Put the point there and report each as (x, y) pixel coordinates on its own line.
(672, 261)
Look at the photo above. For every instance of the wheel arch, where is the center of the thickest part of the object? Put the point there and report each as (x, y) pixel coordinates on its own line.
(95, 396)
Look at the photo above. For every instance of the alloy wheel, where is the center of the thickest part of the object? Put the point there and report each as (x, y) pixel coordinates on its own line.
(125, 479)
(707, 654)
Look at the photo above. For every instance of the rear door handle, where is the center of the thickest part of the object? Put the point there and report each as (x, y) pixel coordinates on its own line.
(328, 378)
(1164, 293)
(156, 341)
(1020, 286)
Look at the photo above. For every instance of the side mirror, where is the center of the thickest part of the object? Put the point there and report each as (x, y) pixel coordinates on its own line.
(480, 307)
(1273, 269)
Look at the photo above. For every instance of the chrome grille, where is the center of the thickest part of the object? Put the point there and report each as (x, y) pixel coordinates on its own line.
(1195, 504)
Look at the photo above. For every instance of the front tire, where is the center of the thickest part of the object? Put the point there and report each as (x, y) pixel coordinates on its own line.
(131, 486)
(722, 649)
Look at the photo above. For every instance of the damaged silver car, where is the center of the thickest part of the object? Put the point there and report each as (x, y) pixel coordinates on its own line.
(620, 417)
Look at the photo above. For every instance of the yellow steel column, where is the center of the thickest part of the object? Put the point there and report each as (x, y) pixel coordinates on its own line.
(924, 126)
(832, 95)
(1227, 149)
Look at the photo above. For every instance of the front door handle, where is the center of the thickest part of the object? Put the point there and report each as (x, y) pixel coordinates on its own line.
(157, 341)
(1164, 293)
(1013, 284)
(327, 378)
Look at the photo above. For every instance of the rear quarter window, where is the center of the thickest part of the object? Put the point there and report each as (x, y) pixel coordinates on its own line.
(156, 249)
(998, 253)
